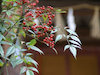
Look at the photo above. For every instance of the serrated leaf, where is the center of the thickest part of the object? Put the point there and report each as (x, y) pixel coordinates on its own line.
(29, 59)
(35, 49)
(73, 51)
(66, 47)
(29, 72)
(76, 39)
(34, 69)
(58, 37)
(23, 69)
(74, 42)
(71, 32)
(1, 51)
(10, 51)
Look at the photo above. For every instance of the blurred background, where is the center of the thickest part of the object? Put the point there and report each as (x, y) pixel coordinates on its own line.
(87, 18)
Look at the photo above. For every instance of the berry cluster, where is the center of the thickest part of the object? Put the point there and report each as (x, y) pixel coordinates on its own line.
(28, 2)
(44, 16)
(49, 41)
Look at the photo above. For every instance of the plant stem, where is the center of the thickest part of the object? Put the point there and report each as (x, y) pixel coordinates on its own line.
(7, 70)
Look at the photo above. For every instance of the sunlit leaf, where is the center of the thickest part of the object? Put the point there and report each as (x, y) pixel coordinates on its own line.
(29, 72)
(74, 42)
(35, 49)
(76, 39)
(66, 47)
(71, 32)
(34, 69)
(76, 46)
(73, 51)
(58, 37)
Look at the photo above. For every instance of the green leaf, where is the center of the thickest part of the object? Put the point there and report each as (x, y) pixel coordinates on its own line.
(29, 59)
(58, 37)
(76, 39)
(32, 42)
(10, 51)
(1, 51)
(66, 47)
(23, 69)
(35, 49)
(29, 72)
(73, 51)
(1, 63)
(34, 69)
(22, 32)
(60, 11)
(45, 18)
(74, 42)
(10, 0)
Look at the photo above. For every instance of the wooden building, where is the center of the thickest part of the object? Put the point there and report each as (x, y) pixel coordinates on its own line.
(88, 59)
